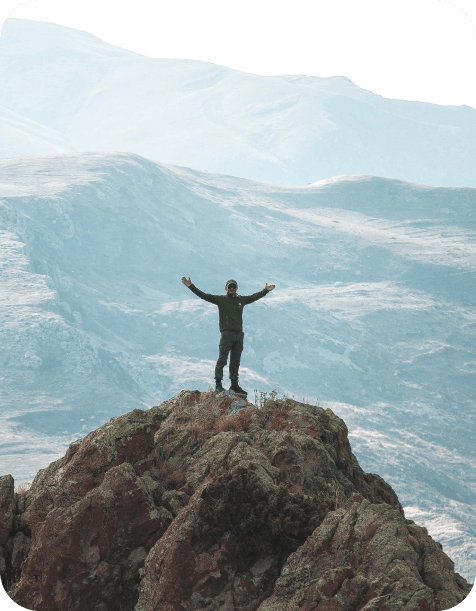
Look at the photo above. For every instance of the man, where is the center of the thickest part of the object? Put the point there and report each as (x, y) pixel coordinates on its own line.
(230, 309)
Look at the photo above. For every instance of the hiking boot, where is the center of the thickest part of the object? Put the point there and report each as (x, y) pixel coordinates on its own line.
(235, 387)
(218, 386)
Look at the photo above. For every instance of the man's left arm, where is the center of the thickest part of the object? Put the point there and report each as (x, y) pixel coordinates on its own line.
(250, 298)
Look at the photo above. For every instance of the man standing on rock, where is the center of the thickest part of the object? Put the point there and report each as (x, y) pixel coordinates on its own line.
(230, 309)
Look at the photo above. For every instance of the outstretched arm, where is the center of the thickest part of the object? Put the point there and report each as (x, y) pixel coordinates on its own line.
(250, 298)
(199, 293)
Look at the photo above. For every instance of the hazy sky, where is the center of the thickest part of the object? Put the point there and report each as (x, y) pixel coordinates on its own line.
(410, 49)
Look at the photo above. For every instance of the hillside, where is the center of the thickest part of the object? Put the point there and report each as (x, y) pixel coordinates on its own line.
(210, 502)
(286, 130)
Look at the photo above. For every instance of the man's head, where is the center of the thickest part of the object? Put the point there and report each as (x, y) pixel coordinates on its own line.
(231, 287)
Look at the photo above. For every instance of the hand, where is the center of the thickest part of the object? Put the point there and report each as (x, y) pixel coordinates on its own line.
(270, 287)
(186, 282)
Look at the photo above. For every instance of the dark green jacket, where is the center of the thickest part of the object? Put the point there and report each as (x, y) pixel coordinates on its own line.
(230, 308)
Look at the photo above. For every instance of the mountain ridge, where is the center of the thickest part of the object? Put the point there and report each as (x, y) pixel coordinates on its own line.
(276, 129)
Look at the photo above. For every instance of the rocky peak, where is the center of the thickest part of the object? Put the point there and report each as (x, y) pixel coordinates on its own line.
(208, 503)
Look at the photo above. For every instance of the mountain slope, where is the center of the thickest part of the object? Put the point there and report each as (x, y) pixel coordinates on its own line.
(373, 311)
(21, 137)
(286, 130)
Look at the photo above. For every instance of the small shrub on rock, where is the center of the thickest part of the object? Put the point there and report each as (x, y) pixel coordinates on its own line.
(23, 488)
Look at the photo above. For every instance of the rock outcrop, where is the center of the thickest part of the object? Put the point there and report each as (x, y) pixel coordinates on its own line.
(201, 503)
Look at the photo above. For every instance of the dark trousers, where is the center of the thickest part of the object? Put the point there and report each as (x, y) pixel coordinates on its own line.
(230, 341)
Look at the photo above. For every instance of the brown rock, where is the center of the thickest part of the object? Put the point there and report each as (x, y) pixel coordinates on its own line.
(65, 481)
(2, 562)
(362, 557)
(186, 506)
(184, 571)
(310, 447)
(21, 549)
(7, 504)
(87, 555)
(437, 569)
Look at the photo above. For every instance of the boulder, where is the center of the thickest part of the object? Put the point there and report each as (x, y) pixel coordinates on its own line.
(87, 555)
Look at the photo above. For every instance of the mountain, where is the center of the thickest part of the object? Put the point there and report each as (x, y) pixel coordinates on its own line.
(372, 315)
(285, 130)
(209, 502)
(21, 137)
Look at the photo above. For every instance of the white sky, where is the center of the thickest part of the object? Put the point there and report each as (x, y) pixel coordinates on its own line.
(409, 49)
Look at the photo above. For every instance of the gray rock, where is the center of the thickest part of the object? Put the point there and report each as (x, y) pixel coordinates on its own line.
(7, 505)
(21, 548)
(236, 406)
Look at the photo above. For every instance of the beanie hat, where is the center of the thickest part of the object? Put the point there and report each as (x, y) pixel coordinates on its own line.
(231, 282)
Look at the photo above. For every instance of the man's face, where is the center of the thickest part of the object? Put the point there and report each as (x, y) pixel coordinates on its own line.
(231, 289)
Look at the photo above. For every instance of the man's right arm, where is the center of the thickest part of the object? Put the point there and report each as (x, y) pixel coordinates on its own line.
(199, 293)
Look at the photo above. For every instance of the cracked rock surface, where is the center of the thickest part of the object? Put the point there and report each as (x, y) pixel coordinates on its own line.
(367, 556)
(187, 506)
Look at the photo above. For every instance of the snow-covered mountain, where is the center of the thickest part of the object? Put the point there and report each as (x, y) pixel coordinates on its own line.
(286, 130)
(373, 311)
(22, 137)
